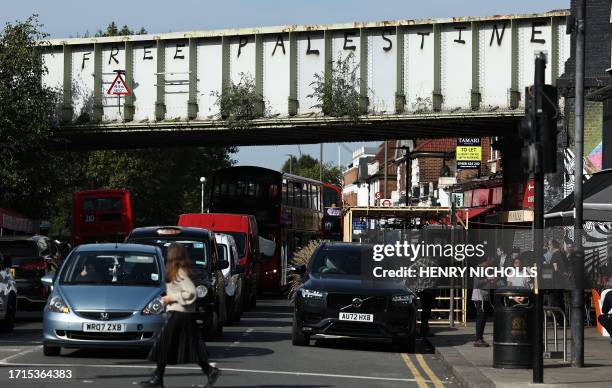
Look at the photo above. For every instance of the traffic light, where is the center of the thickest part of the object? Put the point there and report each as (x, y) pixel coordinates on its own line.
(547, 126)
(538, 129)
(528, 132)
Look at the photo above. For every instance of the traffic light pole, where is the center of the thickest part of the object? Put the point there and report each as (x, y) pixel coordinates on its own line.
(538, 222)
(578, 264)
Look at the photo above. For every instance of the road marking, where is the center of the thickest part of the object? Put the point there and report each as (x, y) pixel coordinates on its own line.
(272, 372)
(5, 360)
(436, 381)
(414, 370)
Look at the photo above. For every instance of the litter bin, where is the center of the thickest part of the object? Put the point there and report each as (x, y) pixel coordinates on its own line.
(513, 328)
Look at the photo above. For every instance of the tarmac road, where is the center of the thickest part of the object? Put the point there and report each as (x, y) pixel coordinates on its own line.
(255, 353)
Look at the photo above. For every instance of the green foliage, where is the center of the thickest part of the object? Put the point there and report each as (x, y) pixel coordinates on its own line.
(163, 183)
(338, 95)
(27, 117)
(308, 167)
(113, 30)
(240, 103)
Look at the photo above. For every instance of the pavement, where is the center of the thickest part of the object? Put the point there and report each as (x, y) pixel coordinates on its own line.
(257, 352)
(472, 367)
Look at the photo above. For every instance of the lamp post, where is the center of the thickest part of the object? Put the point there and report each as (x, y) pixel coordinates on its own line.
(202, 181)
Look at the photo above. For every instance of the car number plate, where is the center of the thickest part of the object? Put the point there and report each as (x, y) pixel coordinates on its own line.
(356, 317)
(104, 327)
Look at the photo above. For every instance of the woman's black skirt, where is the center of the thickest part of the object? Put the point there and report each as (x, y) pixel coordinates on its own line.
(180, 341)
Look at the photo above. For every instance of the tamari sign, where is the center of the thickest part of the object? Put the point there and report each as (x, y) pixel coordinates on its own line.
(468, 153)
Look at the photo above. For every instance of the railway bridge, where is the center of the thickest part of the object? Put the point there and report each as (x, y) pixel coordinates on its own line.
(415, 78)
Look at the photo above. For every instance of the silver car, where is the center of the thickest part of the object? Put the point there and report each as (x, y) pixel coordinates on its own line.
(105, 295)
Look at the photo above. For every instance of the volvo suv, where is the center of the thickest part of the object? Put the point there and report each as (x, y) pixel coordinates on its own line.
(338, 298)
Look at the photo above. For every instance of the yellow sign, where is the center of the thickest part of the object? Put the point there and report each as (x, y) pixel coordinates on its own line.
(469, 153)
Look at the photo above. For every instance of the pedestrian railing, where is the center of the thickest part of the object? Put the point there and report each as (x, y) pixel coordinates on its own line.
(554, 312)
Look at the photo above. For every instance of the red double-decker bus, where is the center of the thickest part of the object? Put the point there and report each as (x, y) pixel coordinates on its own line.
(103, 215)
(288, 210)
(332, 216)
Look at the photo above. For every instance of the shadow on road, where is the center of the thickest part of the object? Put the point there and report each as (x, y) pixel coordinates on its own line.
(269, 315)
(263, 323)
(138, 357)
(369, 345)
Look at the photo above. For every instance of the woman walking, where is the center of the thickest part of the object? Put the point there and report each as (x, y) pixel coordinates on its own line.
(180, 341)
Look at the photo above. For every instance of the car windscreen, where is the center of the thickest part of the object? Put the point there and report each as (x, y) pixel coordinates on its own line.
(18, 249)
(240, 239)
(112, 268)
(339, 261)
(196, 250)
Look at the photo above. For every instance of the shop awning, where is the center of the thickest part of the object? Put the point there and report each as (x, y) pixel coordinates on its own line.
(475, 212)
(597, 201)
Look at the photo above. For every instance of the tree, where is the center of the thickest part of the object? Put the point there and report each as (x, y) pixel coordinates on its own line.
(308, 167)
(27, 121)
(113, 30)
(338, 94)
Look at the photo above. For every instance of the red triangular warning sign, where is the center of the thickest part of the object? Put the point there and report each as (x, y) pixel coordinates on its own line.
(118, 87)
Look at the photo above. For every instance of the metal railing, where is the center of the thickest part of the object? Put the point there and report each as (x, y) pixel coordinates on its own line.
(553, 312)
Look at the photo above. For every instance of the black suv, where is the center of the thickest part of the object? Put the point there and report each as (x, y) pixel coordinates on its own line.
(205, 267)
(335, 298)
(31, 257)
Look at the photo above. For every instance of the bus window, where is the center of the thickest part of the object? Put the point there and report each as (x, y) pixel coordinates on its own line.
(297, 194)
(285, 199)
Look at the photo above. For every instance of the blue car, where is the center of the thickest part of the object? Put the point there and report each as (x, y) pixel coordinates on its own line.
(105, 295)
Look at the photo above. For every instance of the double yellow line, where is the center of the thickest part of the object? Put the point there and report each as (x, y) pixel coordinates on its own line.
(437, 383)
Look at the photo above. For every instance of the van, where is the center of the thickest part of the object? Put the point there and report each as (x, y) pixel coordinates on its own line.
(244, 230)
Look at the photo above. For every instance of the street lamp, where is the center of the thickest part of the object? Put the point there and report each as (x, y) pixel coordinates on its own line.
(202, 180)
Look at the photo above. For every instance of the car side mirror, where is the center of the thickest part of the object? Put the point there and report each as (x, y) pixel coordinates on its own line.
(221, 264)
(238, 270)
(47, 280)
(298, 269)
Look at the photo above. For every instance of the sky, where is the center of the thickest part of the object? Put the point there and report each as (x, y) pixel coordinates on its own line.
(70, 18)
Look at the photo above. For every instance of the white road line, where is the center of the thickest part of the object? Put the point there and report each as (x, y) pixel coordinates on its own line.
(271, 372)
(21, 342)
(5, 360)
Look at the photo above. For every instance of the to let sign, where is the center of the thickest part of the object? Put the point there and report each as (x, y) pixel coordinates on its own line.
(468, 153)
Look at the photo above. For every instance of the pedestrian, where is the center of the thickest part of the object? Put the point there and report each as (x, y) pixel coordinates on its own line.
(559, 280)
(180, 341)
(519, 278)
(514, 253)
(503, 261)
(482, 302)
(502, 257)
(425, 289)
(605, 319)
